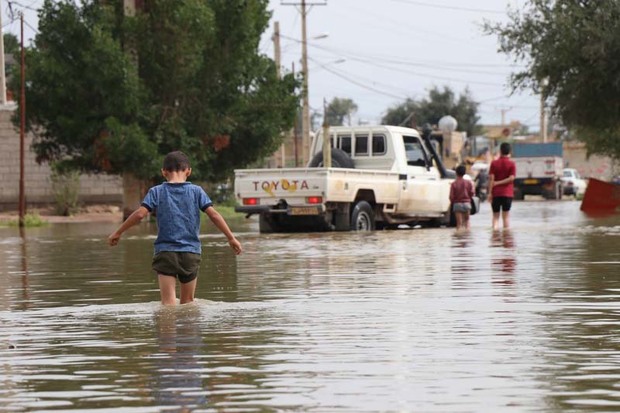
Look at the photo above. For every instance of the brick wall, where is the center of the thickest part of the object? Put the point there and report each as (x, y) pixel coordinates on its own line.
(37, 184)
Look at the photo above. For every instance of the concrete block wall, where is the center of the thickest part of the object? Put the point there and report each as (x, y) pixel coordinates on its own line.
(37, 183)
(599, 167)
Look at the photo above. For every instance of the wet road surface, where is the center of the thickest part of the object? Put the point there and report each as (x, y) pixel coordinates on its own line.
(407, 320)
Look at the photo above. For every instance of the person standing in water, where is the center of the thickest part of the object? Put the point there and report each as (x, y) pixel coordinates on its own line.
(461, 193)
(178, 204)
(501, 187)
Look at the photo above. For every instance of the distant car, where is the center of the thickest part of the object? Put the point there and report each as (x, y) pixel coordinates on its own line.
(572, 182)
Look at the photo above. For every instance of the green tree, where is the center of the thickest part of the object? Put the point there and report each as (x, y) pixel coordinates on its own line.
(11, 44)
(340, 109)
(438, 104)
(571, 54)
(113, 93)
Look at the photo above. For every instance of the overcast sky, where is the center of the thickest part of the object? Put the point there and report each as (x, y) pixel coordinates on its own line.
(394, 49)
(379, 52)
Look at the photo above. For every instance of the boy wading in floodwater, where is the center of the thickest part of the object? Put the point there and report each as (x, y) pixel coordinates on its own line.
(177, 248)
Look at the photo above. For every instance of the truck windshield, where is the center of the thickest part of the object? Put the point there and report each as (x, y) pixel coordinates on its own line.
(415, 151)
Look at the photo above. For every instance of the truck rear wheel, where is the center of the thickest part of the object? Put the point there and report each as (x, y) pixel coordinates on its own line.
(362, 217)
(340, 159)
(264, 224)
(518, 194)
(555, 192)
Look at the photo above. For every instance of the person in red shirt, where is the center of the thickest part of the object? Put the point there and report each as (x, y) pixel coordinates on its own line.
(461, 192)
(501, 188)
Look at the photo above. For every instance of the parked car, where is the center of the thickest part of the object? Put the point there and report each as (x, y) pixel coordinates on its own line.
(572, 182)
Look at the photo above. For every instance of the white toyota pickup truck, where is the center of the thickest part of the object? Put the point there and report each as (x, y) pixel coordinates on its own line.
(380, 177)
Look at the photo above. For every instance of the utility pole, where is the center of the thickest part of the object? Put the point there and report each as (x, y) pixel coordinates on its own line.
(2, 73)
(543, 115)
(276, 47)
(305, 117)
(305, 114)
(504, 111)
(543, 118)
(295, 137)
(22, 127)
(278, 61)
(327, 144)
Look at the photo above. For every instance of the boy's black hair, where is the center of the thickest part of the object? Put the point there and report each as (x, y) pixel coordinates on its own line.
(460, 170)
(176, 161)
(505, 148)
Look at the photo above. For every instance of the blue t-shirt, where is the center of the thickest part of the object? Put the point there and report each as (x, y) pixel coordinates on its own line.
(178, 207)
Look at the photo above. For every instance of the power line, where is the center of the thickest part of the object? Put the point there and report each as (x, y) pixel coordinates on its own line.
(395, 25)
(362, 79)
(391, 59)
(30, 26)
(425, 75)
(362, 85)
(443, 7)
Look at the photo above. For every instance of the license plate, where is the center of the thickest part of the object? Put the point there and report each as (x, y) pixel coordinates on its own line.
(530, 181)
(304, 211)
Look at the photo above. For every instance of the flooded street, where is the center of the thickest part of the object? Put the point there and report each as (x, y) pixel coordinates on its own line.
(407, 320)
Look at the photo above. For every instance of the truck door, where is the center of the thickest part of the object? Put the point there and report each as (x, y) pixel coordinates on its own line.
(423, 191)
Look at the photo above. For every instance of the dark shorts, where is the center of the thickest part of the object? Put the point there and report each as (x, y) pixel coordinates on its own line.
(183, 265)
(501, 203)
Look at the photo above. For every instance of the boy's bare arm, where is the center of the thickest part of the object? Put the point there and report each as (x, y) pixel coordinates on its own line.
(221, 224)
(131, 220)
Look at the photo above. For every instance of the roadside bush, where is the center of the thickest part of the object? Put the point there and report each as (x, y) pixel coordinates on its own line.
(65, 188)
(30, 220)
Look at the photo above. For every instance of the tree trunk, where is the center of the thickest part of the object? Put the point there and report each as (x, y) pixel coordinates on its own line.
(133, 192)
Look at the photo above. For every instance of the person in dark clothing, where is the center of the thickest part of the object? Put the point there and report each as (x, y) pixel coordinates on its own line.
(482, 185)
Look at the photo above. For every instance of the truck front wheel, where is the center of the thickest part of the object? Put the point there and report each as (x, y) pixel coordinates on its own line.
(362, 217)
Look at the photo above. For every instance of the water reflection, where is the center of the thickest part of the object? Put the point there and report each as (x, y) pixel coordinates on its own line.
(24, 262)
(504, 261)
(416, 320)
(464, 259)
(177, 381)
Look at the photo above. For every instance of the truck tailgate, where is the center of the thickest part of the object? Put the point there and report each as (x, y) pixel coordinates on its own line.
(268, 186)
(296, 185)
(539, 167)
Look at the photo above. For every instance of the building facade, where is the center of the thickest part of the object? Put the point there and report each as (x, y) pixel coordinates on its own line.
(37, 178)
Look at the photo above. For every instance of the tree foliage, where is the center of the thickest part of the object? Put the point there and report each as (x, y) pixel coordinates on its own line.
(11, 44)
(338, 110)
(571, 53)
(438, 104)
(112, 93)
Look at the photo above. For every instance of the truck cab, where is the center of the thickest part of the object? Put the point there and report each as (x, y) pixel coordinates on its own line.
(396, 149)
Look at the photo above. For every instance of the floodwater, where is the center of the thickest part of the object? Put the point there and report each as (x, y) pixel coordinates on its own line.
(409, 320)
